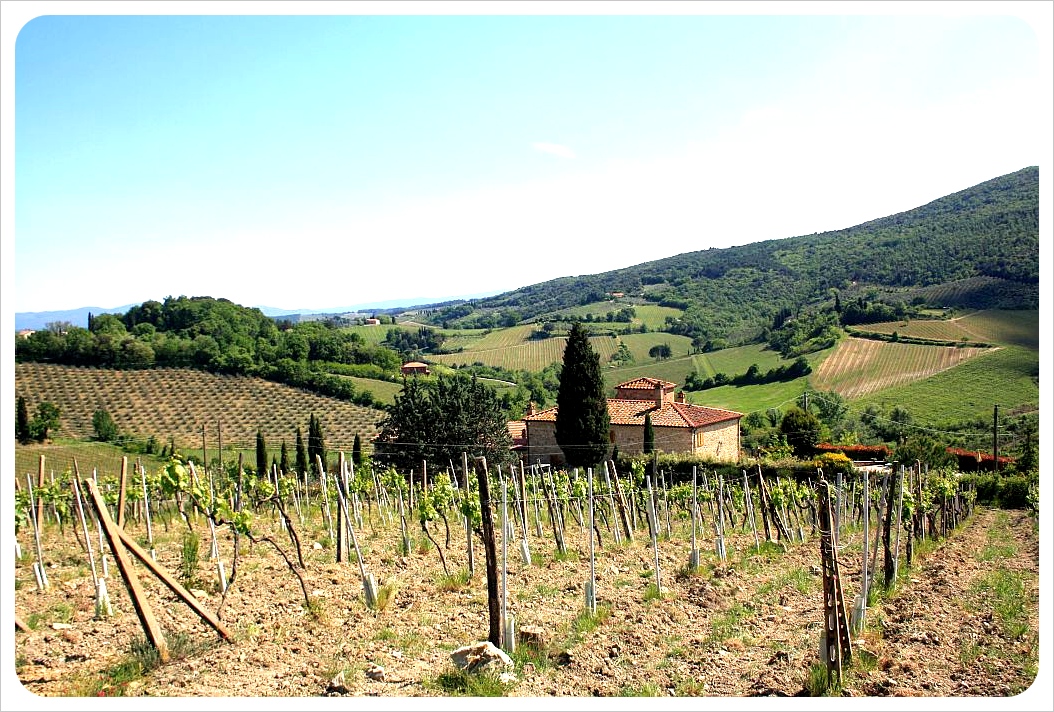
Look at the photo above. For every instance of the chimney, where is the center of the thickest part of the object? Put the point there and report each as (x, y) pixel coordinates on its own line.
(658, 394)
(679, 397)
(530, 408)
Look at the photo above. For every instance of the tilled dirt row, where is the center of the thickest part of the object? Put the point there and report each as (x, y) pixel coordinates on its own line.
(749, 625)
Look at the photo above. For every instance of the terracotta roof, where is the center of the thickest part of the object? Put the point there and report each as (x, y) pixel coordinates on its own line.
(646, 383)
(671, 415)
(415, 364)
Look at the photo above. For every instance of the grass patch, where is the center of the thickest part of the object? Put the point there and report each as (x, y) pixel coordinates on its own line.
(726, 625)
(568, 555)
(820, 682)
(652, 592)
(469, 684)
(647, 689)
(454, 582)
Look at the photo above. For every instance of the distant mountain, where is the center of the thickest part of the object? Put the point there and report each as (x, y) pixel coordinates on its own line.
(77, 317)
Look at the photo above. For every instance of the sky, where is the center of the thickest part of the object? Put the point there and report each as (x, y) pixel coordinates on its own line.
(322, 161)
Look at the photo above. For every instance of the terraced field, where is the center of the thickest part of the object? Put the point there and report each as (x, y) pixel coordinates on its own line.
(175, 403)
(861, 366)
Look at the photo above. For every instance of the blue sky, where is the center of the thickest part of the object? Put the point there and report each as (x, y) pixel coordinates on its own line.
(324, 161)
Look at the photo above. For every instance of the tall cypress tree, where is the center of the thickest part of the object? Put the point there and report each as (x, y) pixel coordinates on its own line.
(261, 454)
(649, 434)
(283, 460)
(356, 451)
(301, 453)
(583, 423)
(22, 421)
(316, 442)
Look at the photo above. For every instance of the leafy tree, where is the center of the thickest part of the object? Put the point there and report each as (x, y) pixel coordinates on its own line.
(47, 419)
(649, 434)
(925, 449)
(103, 424)
(301, 453)
(22, 432)
(261, 454)
(802, 431)
(438, 420)
(660, 351)
(583, 423)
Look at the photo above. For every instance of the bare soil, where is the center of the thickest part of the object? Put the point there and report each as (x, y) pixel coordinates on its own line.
(745, 626)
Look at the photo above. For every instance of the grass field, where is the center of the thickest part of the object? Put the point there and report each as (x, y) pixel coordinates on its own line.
(383, 391)
(748, 399)
(968, 391)
(513, 352)
(60, 455)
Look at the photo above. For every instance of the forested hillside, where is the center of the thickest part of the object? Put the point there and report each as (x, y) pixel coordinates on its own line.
(987, 235)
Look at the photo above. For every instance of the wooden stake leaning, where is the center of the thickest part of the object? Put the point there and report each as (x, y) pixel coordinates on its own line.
(38, 565)
(142, 608)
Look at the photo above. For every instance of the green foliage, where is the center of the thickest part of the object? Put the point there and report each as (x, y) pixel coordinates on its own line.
(46, 419)
(104, 426)
(438, 420)
(188, 563)
(262, 468)
(649, 434)
(301, 453)
(582, 420)
(22, 431)
(801, 429)
(316, 443)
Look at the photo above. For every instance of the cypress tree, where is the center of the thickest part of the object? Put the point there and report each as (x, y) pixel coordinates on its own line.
(649, 434)
(22, 421)
(283, 460)
(261, 453)
(301, 453)
(316, 442)
(356, 451)
(583, 423)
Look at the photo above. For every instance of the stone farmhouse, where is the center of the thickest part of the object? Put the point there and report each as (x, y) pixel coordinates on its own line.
(678, 426)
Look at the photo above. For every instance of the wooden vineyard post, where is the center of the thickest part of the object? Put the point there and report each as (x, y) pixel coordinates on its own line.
(622, 505)
(39, 520)
(146, 506)
(836, 645)
(654, 534)
(338, 484)
(121, 491)
(859, 614)
(38, 565)
(525, 546)
(693, 556)
(762, 505)
(124, 565)
(748, 503)
(611, 504)
(468, 520)
(487, 520)
(369, 585)
(719, 524)
(591, 585)
(508, 632)
(900, 517)
(887, 526)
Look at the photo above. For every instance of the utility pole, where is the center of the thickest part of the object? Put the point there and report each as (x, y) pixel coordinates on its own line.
(995, 437)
